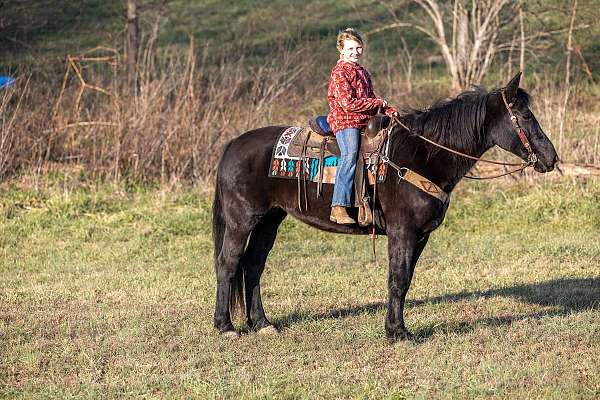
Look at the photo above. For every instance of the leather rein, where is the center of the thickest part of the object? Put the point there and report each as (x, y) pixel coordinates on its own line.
(427, 185)
(531, 158)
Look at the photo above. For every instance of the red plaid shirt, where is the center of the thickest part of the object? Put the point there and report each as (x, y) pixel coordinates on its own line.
(351, 98)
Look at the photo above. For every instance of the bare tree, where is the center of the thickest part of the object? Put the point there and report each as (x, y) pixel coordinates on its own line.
(470, 33)
(465, 32)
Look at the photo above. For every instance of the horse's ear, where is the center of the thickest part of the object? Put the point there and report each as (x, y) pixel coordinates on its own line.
(511, 87)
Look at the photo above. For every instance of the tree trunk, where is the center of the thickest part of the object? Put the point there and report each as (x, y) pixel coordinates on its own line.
(522, 47)
(567, 77)
(132, 46)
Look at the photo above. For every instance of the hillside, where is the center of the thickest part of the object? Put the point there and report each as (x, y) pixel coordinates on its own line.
(42, 32)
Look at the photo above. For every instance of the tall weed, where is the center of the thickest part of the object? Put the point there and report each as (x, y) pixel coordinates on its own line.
(172, 127)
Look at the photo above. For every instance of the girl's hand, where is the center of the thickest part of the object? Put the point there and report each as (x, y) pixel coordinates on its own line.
(392, 113)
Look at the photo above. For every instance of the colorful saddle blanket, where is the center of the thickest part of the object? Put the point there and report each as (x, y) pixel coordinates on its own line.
(300, 148)
(285, 162)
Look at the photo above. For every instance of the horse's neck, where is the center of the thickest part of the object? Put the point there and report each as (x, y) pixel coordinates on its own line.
(444, 166)
(451, 168)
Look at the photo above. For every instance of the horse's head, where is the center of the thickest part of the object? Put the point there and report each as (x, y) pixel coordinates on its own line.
(505, 117)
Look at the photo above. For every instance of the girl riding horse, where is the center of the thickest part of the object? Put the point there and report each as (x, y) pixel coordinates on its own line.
(352, 102)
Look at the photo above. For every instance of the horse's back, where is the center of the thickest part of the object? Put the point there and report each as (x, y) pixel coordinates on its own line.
(243, 169)
(252, 142)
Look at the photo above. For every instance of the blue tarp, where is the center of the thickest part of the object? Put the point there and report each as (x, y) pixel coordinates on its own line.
(6, 81)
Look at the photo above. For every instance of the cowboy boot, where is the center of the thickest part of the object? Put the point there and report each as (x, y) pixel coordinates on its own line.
(340, 216)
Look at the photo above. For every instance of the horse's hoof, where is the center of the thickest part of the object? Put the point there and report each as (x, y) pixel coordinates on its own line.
(230, 334)
(268, 330)
(400, 336)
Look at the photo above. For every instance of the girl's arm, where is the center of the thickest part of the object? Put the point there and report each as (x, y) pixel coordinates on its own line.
(388, 110)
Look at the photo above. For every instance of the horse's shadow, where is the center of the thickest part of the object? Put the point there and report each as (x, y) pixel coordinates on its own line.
(564, 296)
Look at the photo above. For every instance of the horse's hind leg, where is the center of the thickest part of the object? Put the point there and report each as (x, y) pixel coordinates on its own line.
(228, 276)
(261, 242)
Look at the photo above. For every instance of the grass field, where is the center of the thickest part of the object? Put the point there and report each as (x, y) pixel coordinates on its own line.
(108, 293)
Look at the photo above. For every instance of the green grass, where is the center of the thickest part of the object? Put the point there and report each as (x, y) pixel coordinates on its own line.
(249, 28)
(108, 293)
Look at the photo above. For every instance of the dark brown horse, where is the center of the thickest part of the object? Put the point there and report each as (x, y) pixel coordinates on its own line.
(249, 206)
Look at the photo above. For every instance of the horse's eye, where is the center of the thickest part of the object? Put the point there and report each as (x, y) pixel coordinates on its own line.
(527, 115)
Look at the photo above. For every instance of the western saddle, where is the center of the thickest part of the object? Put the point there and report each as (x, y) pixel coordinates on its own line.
(319, 142)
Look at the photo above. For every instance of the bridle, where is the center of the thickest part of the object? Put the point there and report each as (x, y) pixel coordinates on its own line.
(531, 157)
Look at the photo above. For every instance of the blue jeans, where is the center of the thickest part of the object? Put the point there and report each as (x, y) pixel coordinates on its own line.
(348, 141)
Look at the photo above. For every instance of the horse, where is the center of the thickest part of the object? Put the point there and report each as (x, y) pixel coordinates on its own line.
(249, 206)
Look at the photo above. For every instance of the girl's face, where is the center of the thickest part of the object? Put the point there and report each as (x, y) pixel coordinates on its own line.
(352, 51)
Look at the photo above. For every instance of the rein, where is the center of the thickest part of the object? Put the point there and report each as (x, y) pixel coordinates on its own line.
(531, 158)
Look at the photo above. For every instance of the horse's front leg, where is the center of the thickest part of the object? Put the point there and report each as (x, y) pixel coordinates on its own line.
(404, 249)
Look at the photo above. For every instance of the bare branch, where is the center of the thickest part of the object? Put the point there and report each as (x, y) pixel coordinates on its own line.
(390, 26)
(528, 39)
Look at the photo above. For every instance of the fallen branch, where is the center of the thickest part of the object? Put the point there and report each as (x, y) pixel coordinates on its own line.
(570, 169)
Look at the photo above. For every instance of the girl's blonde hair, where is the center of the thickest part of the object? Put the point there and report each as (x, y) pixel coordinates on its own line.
(348, 34)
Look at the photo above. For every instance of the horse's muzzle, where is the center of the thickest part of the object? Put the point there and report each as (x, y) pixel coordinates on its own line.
(542, 167)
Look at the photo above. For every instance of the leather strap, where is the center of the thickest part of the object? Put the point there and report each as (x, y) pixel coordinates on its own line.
(417, 180)
(532, 158)
(425, 185)
(303, 163)
(321, 168)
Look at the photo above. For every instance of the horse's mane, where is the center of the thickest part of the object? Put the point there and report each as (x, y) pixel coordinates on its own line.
(457, 123)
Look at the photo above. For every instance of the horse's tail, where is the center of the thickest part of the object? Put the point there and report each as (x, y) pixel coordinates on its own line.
(236, 298)
(218, 223)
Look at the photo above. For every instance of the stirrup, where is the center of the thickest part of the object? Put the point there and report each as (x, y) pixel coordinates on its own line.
(365, 218)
